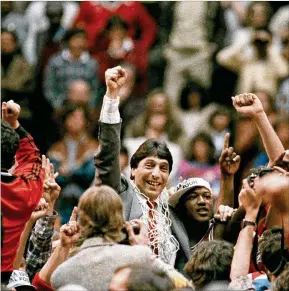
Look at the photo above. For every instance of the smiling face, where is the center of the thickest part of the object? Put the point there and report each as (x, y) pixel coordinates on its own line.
(151, 176)
(198, 203)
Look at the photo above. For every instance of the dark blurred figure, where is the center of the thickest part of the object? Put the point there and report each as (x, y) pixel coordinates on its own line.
(13, 20)
(16, 76)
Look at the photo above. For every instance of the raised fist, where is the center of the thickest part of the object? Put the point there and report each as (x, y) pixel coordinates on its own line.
(114, 79)
(248, 104)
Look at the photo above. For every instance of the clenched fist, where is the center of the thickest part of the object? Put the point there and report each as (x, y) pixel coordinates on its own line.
(114, 79)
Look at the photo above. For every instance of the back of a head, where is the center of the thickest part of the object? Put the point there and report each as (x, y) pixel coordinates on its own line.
(154, 148)
(271, 251)
(101, 213)
(211, 261)
(9, 145)
(148, 277)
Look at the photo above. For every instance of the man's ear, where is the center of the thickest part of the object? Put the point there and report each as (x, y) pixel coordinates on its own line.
(132, 174)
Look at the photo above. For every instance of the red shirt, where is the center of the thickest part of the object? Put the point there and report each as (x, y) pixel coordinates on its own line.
(20, 196)
(93, 17)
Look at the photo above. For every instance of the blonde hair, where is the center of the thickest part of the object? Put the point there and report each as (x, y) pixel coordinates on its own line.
(101, 214)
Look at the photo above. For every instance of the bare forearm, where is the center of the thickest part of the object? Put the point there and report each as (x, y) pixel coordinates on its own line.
(22, 243)
(226, 195)
(271, 141)
(242, 253)
(59, 255)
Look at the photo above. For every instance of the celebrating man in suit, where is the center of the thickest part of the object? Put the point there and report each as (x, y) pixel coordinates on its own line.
(144, 195)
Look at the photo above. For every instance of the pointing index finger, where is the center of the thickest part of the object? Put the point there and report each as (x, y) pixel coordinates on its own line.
(73, 214)
(226, 141)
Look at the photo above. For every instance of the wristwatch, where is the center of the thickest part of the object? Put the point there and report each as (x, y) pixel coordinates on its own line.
(247, 222)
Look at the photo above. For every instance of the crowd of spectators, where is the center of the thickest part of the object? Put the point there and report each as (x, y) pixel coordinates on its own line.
(126, 162)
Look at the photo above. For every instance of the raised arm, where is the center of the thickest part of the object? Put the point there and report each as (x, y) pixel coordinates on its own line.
(229, 164)
(242, 253)
(250, 105)
(107, 159)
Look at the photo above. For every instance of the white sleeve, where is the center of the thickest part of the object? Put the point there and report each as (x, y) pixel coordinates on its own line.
(109, 111)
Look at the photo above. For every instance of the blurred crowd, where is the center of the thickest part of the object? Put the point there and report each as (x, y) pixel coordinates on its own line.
(182, 62)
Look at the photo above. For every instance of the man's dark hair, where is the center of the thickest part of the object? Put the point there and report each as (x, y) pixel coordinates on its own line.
(152, 148)
(282, 282)
(211, 261)
(270, 248)
(143, 278)
(73, 32)
(9, 145)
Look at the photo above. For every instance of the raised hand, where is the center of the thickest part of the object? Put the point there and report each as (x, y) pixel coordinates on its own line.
(10, 113)
(114, 79)
(224, 213)
(229, 161)
(39, 211)
(137, 239)
(70, 232)
(250, 199)
(248, 104)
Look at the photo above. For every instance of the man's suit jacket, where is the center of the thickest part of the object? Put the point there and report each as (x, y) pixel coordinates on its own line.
(108, 173)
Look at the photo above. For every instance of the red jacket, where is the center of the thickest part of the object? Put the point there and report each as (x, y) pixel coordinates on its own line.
(20, 196)
(93, 18)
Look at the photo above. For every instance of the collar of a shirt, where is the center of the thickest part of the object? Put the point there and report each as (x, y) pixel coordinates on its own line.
(66, 55)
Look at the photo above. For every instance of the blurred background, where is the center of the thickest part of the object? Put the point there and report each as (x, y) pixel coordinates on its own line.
(184, 62)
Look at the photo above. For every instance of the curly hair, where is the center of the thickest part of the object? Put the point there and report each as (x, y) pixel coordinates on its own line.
(9, 145)
(211, 261)
(101, 214)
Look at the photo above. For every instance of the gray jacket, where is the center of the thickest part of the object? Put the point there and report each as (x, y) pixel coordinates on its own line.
(93, 266)
(108, 173)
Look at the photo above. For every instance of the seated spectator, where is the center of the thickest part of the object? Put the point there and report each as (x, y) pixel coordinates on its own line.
(38, 15)
(200, 161)
(220, 122)
(132, 104)
(12, 20)
(101, 221)
(72, 63)
(190, 101)
(157, 102)
(257, 15)
(46, 41)
(114, 46)
(21, 183)
(260, 69)
(72, 157)
(16, 73)
(93, 17)
(139, 277)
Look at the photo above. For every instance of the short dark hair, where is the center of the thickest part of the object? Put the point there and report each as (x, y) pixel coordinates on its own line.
(270, 248)
(152, 148)
(9, 145)
(211, 261)
(148, 277)
(116, 21)
(72, 32)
